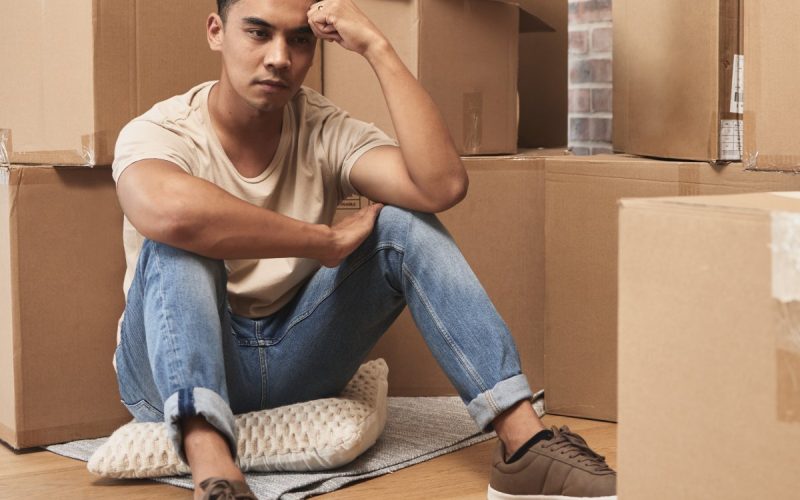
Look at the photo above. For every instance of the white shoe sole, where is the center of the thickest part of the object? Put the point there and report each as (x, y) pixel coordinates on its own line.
(496, 495)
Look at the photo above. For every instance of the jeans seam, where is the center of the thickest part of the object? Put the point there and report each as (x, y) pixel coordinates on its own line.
(324, 296)
(465, 364)
(262, 362)
(174, 359)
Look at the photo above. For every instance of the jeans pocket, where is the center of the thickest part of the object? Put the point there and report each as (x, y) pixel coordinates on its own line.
(143, 411)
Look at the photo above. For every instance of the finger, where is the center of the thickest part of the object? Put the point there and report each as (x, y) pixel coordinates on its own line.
(373, 212)
(315, 26)
(324, 31)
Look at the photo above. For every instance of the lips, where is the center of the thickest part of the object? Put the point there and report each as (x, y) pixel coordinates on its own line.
(273, 84)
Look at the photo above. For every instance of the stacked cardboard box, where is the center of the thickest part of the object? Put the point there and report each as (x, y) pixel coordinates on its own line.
(468, 55)
(707, 81)
(77, 72)
(581, 232)
(85, 83)
(679, 93)
(704, 307)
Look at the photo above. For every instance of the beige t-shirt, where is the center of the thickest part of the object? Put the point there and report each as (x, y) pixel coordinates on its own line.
(306, 179)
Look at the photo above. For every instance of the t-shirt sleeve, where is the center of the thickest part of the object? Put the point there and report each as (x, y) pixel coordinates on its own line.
(146, 140)
(345, 140)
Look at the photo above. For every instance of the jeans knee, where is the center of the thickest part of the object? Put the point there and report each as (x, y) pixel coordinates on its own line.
(395, 221)
(177, 261)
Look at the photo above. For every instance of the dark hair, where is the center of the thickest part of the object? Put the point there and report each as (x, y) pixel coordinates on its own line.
(223, 6)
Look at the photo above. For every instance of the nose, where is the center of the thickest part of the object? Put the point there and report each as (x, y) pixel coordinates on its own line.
(277, 54)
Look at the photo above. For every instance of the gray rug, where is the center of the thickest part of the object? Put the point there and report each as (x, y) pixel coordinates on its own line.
(417, 429)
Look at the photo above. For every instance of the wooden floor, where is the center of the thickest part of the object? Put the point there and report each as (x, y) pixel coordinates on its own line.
(459, 475)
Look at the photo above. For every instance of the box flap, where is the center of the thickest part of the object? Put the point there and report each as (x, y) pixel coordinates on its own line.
(615, 166)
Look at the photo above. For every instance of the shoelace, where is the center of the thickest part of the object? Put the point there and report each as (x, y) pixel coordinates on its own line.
(577, 448)
(222, 489)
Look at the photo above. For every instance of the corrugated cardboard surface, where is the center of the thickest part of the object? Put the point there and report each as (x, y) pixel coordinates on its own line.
(581, 262)
(78, 71)
(464, 52)
(580, 350)
(672, 76)
(66, 262)
(543, 71)
(705, 352)
(499, 228)
(771, 85)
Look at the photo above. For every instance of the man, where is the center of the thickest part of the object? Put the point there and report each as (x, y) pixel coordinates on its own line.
(242, 296)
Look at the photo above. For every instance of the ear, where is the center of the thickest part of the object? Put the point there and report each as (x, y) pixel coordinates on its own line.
(215, 31)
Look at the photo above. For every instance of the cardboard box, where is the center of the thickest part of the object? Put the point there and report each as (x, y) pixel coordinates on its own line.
(79, 70)
(465, 54)
(676, 79)
(499, 228)
(709, 351)
(61, 269)
(580, 350)
(771, 106)
(581, 193)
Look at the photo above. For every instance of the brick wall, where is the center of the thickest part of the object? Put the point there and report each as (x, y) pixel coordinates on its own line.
(590, 78)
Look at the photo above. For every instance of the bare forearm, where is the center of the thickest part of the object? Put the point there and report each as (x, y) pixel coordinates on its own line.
(206, 220)
(425, 142)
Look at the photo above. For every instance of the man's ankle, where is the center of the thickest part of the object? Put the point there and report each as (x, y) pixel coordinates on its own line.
(207, 451)
(517, 425)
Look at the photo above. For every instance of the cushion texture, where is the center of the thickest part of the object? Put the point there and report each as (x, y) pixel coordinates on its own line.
(309, 436)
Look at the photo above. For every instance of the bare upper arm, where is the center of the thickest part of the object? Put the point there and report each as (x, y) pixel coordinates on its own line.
(381, 175)
(146, 190)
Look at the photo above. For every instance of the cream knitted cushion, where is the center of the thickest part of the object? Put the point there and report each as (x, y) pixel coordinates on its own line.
(310, 436)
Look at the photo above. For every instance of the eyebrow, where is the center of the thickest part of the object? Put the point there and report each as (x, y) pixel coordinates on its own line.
(257, 21)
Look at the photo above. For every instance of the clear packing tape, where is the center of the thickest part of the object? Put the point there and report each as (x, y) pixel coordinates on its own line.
(5, 158)
(786, 291)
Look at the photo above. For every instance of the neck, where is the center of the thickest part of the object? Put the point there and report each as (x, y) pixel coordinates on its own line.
(248, 136)
(235, 119)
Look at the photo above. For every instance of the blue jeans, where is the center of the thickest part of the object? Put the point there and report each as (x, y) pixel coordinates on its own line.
(183, 352)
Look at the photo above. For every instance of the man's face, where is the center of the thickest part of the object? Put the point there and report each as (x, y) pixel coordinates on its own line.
(267, 48)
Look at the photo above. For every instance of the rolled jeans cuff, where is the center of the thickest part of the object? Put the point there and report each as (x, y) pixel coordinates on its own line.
(194, 401)
(505, 394)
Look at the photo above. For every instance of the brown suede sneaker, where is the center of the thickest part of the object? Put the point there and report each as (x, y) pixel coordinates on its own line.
(563, 467)
(217, 488)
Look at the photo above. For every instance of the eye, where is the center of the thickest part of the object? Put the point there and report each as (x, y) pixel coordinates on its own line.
(302, 40)
(258, 34)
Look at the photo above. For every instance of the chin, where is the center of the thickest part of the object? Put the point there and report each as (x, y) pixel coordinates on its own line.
(267, 106)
